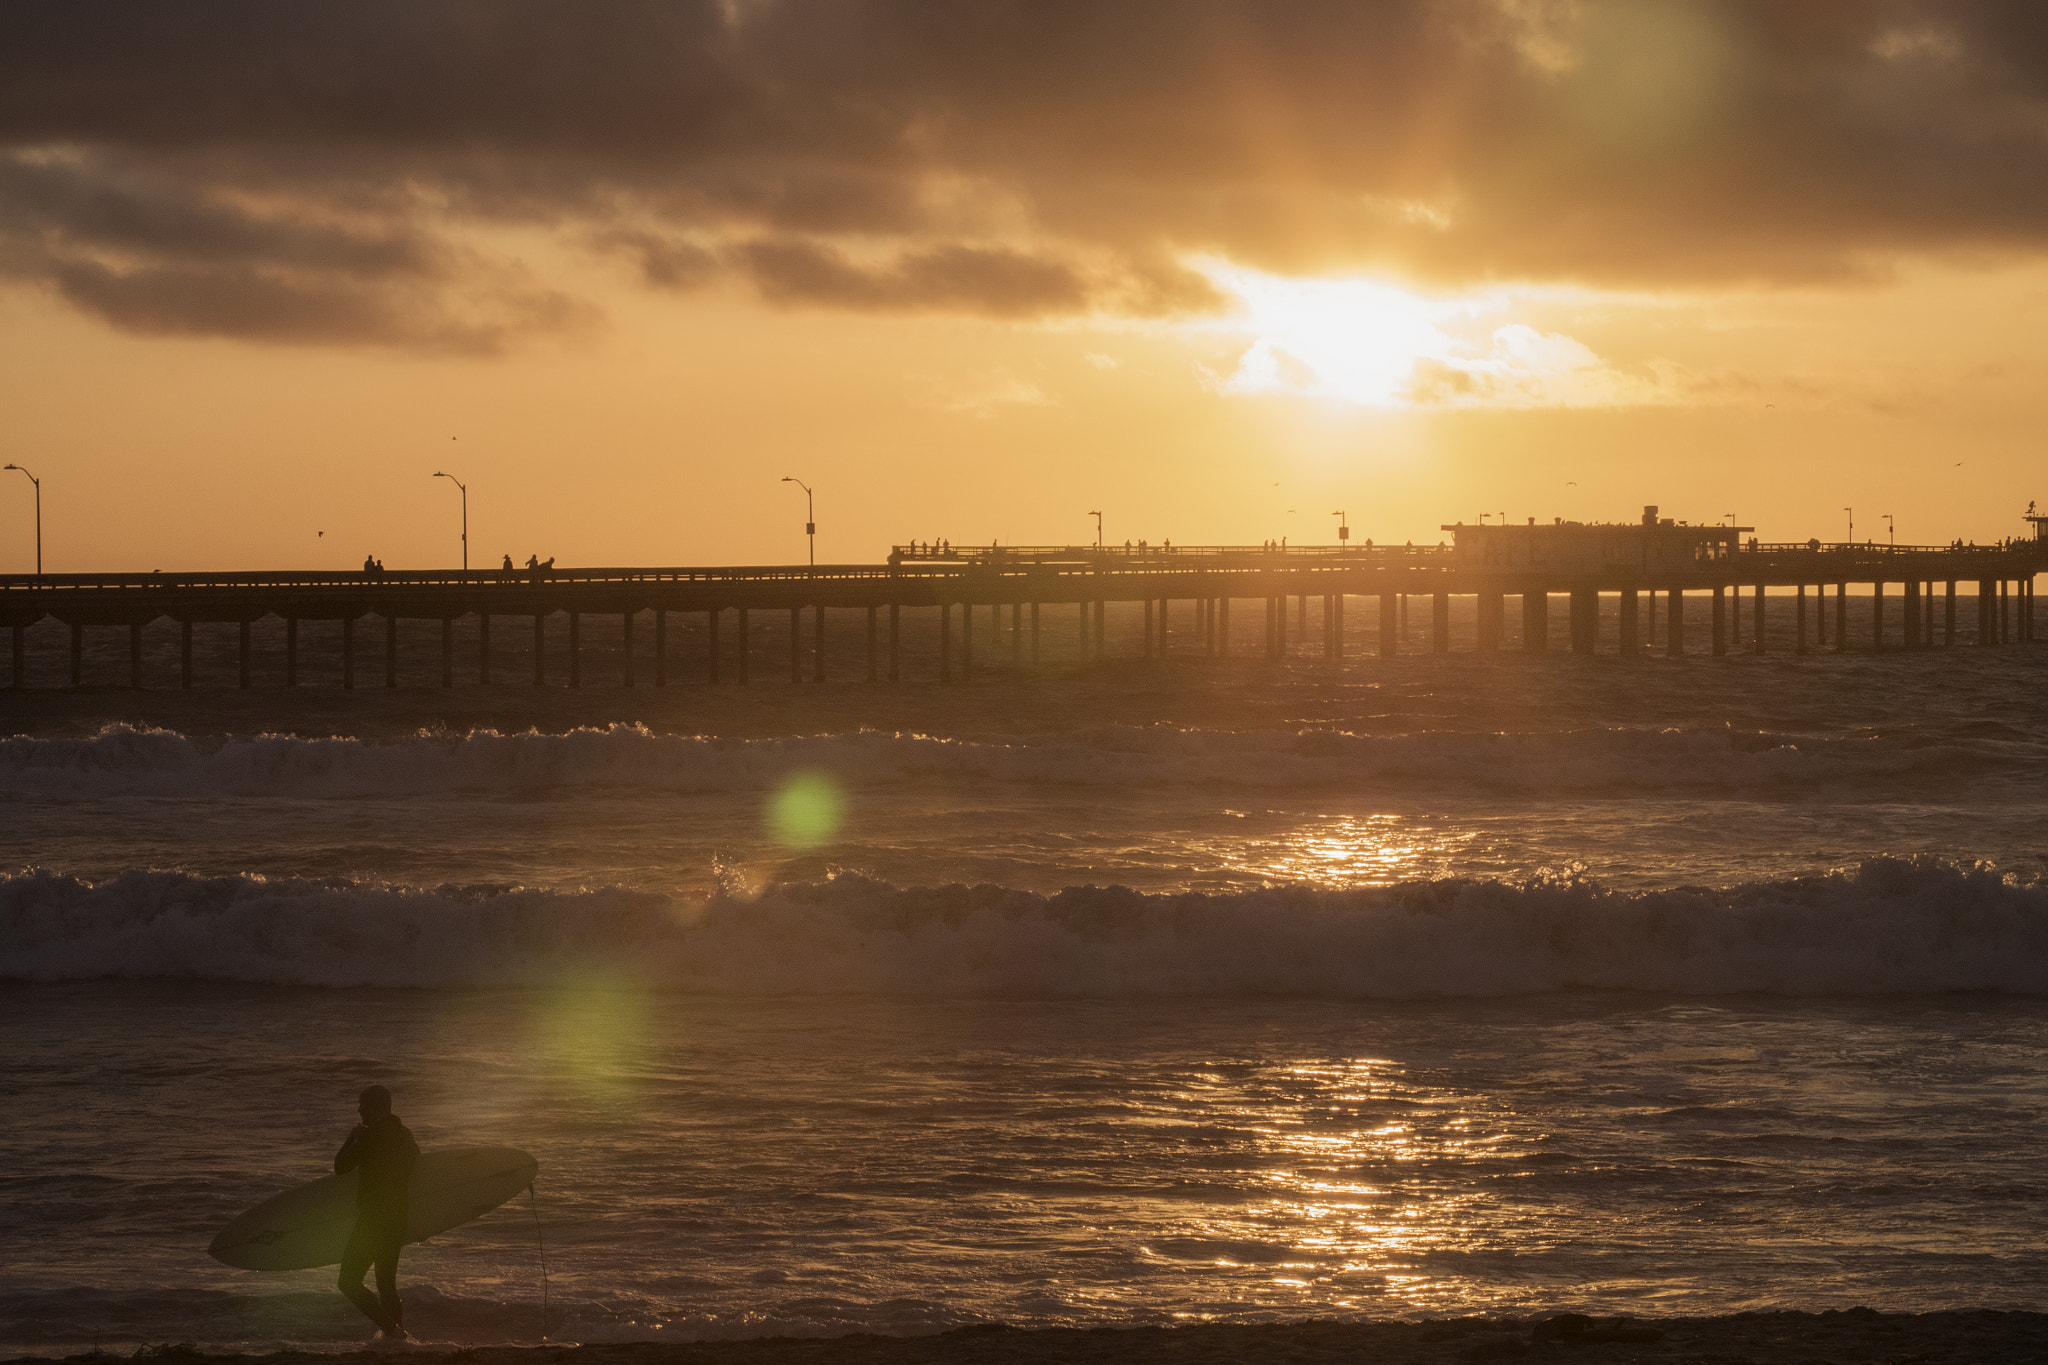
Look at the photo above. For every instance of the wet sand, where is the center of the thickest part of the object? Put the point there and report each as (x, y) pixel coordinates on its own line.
(1848, 1337)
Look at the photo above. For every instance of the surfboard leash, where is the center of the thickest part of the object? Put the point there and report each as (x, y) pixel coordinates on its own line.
(541, 1238)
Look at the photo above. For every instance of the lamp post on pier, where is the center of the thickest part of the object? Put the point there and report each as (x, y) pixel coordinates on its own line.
(39, 515)
(1891, 531)
(810, 516)
(1343, 527)
(1098, 528)
(1852, 524)
(465, 514)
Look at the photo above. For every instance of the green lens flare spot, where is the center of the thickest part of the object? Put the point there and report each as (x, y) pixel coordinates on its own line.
(806, 811)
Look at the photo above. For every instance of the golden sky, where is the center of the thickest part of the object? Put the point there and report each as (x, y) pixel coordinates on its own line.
(973, 269)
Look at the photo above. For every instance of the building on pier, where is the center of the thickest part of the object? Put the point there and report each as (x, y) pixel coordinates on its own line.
(1653, 545)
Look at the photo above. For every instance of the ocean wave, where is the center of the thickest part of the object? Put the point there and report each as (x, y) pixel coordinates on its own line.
(1887, 925)
(130, 760)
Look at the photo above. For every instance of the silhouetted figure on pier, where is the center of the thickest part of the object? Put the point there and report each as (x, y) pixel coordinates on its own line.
(369, 564)
(382, 1152)
(508, 561)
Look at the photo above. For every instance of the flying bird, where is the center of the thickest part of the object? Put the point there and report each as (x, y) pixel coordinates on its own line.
(1571, 483)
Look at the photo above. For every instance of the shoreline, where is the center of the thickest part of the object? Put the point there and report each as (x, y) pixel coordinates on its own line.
(1979, 1337)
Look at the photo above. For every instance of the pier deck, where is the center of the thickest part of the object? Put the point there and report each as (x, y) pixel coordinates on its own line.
(1209, 577)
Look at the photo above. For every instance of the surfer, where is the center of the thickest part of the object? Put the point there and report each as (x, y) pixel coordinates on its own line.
(382, 1149)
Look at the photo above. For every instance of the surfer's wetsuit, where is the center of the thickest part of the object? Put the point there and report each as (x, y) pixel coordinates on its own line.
(382, 1150)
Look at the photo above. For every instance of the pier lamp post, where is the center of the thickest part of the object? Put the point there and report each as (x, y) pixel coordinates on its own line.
(39, 516)
(1098, 528)
(1343, 527)
(811, 515)
(1891, 531)
(1852, 524)
(465, 514)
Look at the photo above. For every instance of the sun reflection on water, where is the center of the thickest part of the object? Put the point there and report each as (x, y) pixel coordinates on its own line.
(1350, 850)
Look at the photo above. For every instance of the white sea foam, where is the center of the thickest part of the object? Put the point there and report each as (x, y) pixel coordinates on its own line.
(1886, 926)
(127, 760)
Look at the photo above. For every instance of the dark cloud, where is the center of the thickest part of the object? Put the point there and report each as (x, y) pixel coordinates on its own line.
(1008, 157)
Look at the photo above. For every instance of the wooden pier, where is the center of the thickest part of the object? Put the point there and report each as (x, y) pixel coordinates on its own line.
(1216, 601)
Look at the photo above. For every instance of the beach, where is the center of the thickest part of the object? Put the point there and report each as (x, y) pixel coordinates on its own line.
(1849, 1337)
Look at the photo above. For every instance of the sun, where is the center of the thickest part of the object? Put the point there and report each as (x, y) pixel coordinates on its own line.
(1357, 340)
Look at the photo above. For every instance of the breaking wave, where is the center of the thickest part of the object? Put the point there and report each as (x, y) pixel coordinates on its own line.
(1885, 926)
(127, 760)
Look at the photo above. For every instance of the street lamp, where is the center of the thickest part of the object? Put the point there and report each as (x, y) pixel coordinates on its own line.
(39, 517)
(1098, 528)
(1852, 524)
(811, 512)
(465, 514)
(1343, 526)
(1891, 531)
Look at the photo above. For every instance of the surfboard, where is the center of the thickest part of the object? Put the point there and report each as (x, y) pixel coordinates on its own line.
(309, 1226)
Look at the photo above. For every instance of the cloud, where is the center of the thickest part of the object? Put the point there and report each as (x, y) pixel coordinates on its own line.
(338, 170)
(981, 395)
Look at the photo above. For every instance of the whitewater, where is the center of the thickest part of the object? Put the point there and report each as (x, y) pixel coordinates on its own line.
(1141, 992)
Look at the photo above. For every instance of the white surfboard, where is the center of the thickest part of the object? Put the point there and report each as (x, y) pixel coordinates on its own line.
(309, 1226)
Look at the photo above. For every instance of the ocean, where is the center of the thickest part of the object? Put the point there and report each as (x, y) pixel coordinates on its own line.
(1134, 991)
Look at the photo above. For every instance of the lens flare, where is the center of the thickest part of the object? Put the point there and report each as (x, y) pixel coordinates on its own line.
(806, 811)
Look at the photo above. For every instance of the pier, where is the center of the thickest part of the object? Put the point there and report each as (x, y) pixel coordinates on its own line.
(1047, 604)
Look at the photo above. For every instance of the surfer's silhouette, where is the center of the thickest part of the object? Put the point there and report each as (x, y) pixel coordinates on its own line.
(382, 1151)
